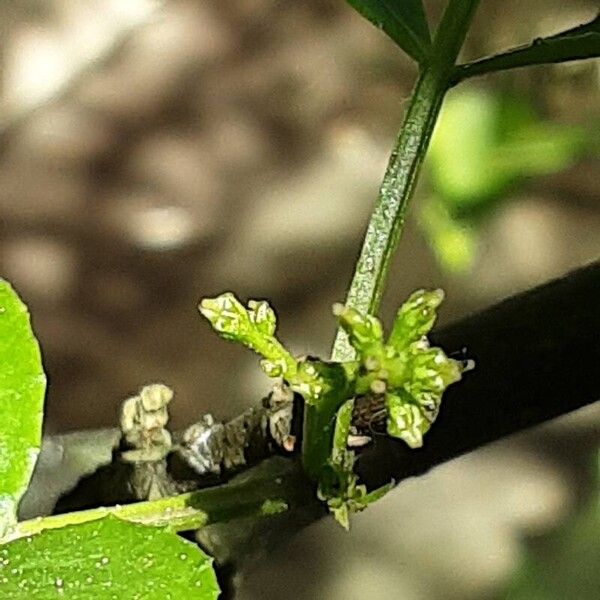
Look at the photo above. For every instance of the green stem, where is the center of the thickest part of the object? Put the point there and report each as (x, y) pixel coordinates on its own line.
(318, 429)
(319, 422)
(387, 220)
(575, 44)
(318, 432)
(271, 493)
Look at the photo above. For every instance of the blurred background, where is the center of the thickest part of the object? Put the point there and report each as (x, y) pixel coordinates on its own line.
(155, 152)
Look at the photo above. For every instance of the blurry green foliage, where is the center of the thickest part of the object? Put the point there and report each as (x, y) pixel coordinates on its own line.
(483, 147)
(563, 565)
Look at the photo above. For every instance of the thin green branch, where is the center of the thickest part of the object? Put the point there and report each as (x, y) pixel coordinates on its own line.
(387, 220)
(575, 44)
(173, 512)
(379, 244)
(270, 493)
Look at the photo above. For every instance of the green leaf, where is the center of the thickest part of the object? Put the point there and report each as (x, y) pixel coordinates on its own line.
(22, 388)
(453, 241)
(364, 331)
(410, 374)
(415, 318)
(253, 326)
(339, 484)
(406, 420)
(402, 20)
(574, 44)
(465, 139)
(106, 559)
(314, 380)
(413, 401)
(263, 317)
(343, 421)
(378, 493)
(430, 371)
(484, 146)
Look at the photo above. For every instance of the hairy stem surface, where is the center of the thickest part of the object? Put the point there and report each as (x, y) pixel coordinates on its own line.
(387, 220)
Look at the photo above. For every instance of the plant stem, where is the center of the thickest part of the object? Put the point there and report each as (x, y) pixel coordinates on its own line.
(319, 423)
(269, 493)
(387, 220)
(575, 44)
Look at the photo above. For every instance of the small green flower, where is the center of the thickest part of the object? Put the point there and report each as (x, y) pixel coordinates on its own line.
(404, 371)
(410, 374)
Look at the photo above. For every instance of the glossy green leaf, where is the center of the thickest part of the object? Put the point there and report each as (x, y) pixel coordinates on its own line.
(22, 388)
(402, 20)
(263, 316)
(104, 560)
(406, 420)
(414, 399)
(315, 379)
